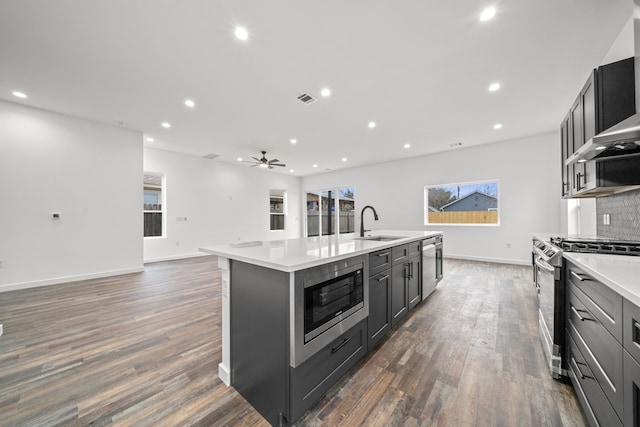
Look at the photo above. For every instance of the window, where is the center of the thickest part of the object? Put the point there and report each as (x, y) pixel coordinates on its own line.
(277, 209)
(153, 204)
(322, 216)
(462, 203)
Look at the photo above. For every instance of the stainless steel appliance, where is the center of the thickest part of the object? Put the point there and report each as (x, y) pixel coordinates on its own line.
(329, 300)
(549, 279)
(429, 267)
(549, 282)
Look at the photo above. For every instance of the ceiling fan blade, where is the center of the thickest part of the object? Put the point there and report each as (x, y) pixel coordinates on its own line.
(253, 166)
(277, 164)
(273, 161)
(270, 167)
(256, 159)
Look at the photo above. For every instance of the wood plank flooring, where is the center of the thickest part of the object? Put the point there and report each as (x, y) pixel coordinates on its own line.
(142, 349)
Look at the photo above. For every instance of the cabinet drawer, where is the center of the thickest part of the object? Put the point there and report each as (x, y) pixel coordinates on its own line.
(379, 261)
(311, 380)
(414, 248)
(603, 302)
(602, 353)
(594, 402)
(399, 254)
(631, 329)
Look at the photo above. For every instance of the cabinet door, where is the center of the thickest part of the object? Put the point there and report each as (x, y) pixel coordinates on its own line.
(565, 147)
(631, 391)
(399, 300)
(414, 282)
(379, 306)
(589, 130)
(576, 139)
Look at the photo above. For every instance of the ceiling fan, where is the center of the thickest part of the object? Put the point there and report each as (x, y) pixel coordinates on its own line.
(263, 162)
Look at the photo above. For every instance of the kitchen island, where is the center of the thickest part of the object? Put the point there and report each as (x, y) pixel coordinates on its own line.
(282, 345)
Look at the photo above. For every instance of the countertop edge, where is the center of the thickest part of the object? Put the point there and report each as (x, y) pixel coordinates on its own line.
(287, 268)
(622, 287)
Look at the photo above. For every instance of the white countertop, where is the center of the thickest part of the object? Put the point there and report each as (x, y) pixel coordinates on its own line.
(297, 254)
(620, 272)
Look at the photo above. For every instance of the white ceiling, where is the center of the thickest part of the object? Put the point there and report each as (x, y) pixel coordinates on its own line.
(418, 68)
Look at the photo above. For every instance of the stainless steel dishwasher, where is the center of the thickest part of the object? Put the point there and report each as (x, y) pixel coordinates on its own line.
(429, 273)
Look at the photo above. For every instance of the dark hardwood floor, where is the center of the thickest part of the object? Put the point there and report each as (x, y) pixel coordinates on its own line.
(142, 349)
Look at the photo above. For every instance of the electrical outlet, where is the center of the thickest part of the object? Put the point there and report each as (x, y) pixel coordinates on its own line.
(606, 219)
(1, 329)
(508, 245)
(177, 243)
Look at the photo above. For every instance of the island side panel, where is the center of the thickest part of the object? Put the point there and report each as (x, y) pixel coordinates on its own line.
(259, 333)
(224, 367)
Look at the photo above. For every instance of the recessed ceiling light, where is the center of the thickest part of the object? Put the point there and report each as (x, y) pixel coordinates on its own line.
(19, 94)
(239, 159)
(294, 141)
(291, 170)
(497, 126)
(166, 125)
(241, 33)
(325, 92)
(344, 159)
(149, 139)
(407, 145)
(494, 87)
(189, 103)
(315, 165)
(487, 14)
(371, 125)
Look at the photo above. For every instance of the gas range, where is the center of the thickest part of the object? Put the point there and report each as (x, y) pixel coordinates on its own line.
(597, 245)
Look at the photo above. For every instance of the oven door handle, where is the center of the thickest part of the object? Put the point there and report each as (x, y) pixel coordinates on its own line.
(545, 265)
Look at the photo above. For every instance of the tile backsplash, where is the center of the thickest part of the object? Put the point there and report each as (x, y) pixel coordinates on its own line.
(624, 211)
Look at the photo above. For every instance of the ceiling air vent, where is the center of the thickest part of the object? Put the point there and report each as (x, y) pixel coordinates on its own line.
(211, 156)
(306, 98)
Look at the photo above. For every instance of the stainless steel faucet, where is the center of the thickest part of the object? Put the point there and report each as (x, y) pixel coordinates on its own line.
(375, 216)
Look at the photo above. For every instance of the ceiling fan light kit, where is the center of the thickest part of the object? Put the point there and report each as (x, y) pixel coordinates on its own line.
(263, 162)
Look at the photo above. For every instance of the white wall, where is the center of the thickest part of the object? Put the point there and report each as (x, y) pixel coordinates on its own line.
(89, 172)
(527, 170)
(222, 202)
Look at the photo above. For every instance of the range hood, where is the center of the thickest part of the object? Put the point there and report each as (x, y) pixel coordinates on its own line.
(622, 139)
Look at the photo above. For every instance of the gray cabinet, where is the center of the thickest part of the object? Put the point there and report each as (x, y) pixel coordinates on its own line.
(414, 281)
(311, 380)
(379, 305)
(395, 287)
(595, 355)
(606, 99)
(631, 344)
(399, 294)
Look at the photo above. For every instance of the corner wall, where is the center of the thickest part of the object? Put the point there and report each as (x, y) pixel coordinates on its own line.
(87, 171)
(222, 203)
(527, 170)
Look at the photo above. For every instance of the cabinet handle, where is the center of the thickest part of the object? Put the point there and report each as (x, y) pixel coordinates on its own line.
(576, 363)
(342, 344)
(410, 270)
(582, 319)
(383, 278)
(384, 254)
(578, 175)
(579, 277)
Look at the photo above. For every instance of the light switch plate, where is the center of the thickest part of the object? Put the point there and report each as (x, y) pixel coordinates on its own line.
(1, 329)
(1, 263)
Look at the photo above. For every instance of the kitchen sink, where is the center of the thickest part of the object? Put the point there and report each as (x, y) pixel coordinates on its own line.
(380, 238)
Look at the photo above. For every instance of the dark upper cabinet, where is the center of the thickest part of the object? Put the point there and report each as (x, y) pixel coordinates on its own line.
(607, 98)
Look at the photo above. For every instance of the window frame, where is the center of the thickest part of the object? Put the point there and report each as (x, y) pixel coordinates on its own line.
(283, 196)
(161, 189)
(464, 224)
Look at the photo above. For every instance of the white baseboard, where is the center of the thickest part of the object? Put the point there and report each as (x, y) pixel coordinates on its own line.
(67, 279)
(496, 260)
(225, 374)
(174, 257)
